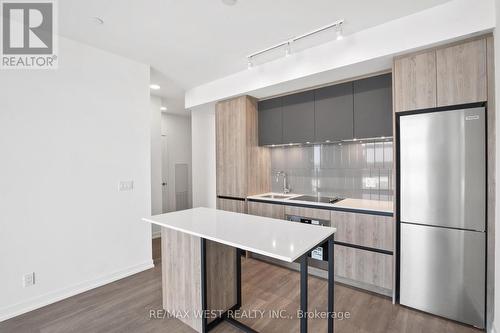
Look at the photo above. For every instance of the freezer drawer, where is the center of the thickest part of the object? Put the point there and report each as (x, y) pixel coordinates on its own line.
(443, 168)
(443, 272)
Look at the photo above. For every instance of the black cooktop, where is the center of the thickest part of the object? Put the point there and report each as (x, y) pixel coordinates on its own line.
(318, 199)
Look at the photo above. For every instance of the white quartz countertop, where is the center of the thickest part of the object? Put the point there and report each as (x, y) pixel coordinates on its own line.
(279, 239)
(377, 206)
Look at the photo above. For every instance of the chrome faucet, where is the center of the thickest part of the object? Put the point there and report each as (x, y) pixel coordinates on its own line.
(286, 189)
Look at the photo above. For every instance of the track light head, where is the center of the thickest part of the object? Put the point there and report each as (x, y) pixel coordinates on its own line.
(338, 31)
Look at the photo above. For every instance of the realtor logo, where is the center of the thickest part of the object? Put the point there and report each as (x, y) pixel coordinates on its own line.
(28, 34)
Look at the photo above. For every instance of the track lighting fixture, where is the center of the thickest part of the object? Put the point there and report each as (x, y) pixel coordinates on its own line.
(288, 43)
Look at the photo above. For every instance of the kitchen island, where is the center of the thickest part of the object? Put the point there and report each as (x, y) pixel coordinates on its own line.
(201, 267)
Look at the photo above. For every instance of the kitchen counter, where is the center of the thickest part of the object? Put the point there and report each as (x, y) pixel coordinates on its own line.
(270, 237)
(201, 261)
(348, 204)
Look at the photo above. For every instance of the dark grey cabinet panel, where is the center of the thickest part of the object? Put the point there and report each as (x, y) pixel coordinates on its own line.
(270, 122)
(298, 117)
(334, 113)
(373, 107)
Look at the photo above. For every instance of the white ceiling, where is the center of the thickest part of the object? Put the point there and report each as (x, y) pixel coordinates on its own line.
(190, 42)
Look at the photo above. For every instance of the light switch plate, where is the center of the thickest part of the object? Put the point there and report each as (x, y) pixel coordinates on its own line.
(126, 185)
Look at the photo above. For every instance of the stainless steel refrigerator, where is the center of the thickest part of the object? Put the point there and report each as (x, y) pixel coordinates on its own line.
(442, 170)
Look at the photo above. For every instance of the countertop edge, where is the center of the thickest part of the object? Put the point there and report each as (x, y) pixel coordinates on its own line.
(287, 202)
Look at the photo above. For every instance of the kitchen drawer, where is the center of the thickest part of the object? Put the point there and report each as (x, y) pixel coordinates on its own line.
(364, 269)
(266, 210)
(363, 229)
(321, 214)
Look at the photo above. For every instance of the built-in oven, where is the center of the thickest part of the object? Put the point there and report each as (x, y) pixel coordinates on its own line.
(320, 253)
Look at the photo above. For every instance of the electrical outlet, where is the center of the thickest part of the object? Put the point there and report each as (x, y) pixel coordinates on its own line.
(126, 185)
(370, 182)
(28, 279)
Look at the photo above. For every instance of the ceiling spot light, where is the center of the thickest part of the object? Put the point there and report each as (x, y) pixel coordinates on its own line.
(338, 31)
(163, 108)
(97, 20)
(229, 2)
(154, 86)
(327, 141)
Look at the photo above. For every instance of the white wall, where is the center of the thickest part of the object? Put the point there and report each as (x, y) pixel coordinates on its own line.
(67, 138)
(156, 175)
(178, 132)
(203, 134)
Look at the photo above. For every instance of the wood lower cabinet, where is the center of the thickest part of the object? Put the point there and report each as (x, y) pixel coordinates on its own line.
(266, 210)
(364, 229)
(232, 205)
(364, 269)
(366, 261)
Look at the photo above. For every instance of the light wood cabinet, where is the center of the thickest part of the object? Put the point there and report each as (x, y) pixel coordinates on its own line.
(364, 269)
(243, 167)
(443, 76)
(461, 73)
(181, 287)
(231, 205)
(415, 82)
(266, 209)
(363, 229)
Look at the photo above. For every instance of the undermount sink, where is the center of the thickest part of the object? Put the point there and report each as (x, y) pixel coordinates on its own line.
(276, 196)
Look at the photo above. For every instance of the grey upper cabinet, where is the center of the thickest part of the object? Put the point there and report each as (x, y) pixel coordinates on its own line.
(373, 107)
(359, 109)
(334, 113)
(270, 122)
(298, 117)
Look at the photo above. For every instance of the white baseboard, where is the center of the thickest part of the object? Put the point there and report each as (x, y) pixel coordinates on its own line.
(52, 297)
(156, 234)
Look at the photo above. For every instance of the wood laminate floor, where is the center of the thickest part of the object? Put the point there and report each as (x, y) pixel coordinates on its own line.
(125, 305)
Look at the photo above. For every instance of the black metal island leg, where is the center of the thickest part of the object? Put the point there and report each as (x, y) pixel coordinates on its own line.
(206, 327)
(331, 285)
(303, 293)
